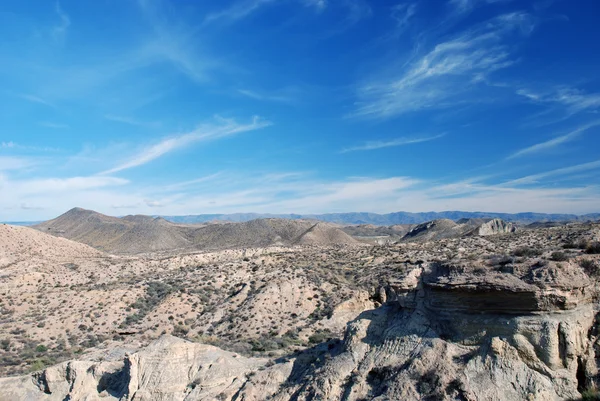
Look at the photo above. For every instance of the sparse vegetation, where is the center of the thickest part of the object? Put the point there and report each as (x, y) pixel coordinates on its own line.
(527, 252)
(593, 248)
(559, 256)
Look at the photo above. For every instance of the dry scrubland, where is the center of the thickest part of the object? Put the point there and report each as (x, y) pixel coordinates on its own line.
(334, 321)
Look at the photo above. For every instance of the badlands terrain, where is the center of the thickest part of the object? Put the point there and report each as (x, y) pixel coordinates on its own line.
(94, 307)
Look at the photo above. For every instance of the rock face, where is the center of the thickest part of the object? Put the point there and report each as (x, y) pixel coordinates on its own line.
(443, 332)
(444, 228)
(495, 226)
(168, 369)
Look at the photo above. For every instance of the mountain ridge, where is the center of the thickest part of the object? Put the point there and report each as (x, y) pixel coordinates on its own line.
(134, 234)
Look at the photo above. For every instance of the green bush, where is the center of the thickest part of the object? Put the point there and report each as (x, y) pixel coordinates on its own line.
(559, 257)
(591, 394)
(41, 348)
(593, 248)
(526, 251)
(5, 344)
(320, 336)
(589, 266)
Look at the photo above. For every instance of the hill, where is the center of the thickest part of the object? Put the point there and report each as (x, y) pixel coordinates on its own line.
(141, 234)
(18, 243)
(130, 234)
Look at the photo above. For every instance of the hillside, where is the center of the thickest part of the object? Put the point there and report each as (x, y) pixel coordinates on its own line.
(130, 234)
(21, 243)
(141, 234)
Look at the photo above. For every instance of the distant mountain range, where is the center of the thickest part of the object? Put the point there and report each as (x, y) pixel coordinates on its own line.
(386, 219)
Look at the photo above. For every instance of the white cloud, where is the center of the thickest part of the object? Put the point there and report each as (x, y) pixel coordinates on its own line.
(238, 10)
(10, 163)
(320, 5)
(462, 6)
(373, 145)
(43, 186)
(49, 124)
(293, 193)
(535, 178)
(403, 13)
(190, 183)
(573, 100)
(554, 142)
(284, 96)
(442, 76)
(130, 121)
(207, 132)
(60, 30)
(35, 99)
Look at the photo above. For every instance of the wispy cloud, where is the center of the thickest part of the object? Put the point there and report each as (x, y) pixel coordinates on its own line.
(46, 185)
(8, 163)
(373, 145)
(16, 146)
(287, 95)
(573, 100)
(238, 10)
(49, 124)
(535, 178)
(320, 5)
(131, 121)
(245, 8)
(439, 78)
(554, 142)
(196, 181)
(60, 30)
(463, 6)
(35, 99)
(206, 132)
(403, 13)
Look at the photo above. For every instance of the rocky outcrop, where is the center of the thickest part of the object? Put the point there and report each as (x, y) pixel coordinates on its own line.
(168, 369)
(440, 229)
(495, 226)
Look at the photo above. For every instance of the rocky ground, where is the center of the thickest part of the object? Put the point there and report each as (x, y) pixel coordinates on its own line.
(507, 316)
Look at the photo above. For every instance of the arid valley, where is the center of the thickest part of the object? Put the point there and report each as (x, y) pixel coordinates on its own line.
(139, 308)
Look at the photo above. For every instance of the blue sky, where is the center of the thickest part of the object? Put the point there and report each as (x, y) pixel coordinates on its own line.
(304, 106)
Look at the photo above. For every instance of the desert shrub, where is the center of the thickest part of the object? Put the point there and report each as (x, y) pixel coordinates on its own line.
(320, 336)
(591, 394)
(579, 244)
(500, 260)
(156, 292)
(5, 344)
(41, 348)
(526, 251)
(593, 248)
(181, 330)
(589, 266)
(559, 256)
(264, 344)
